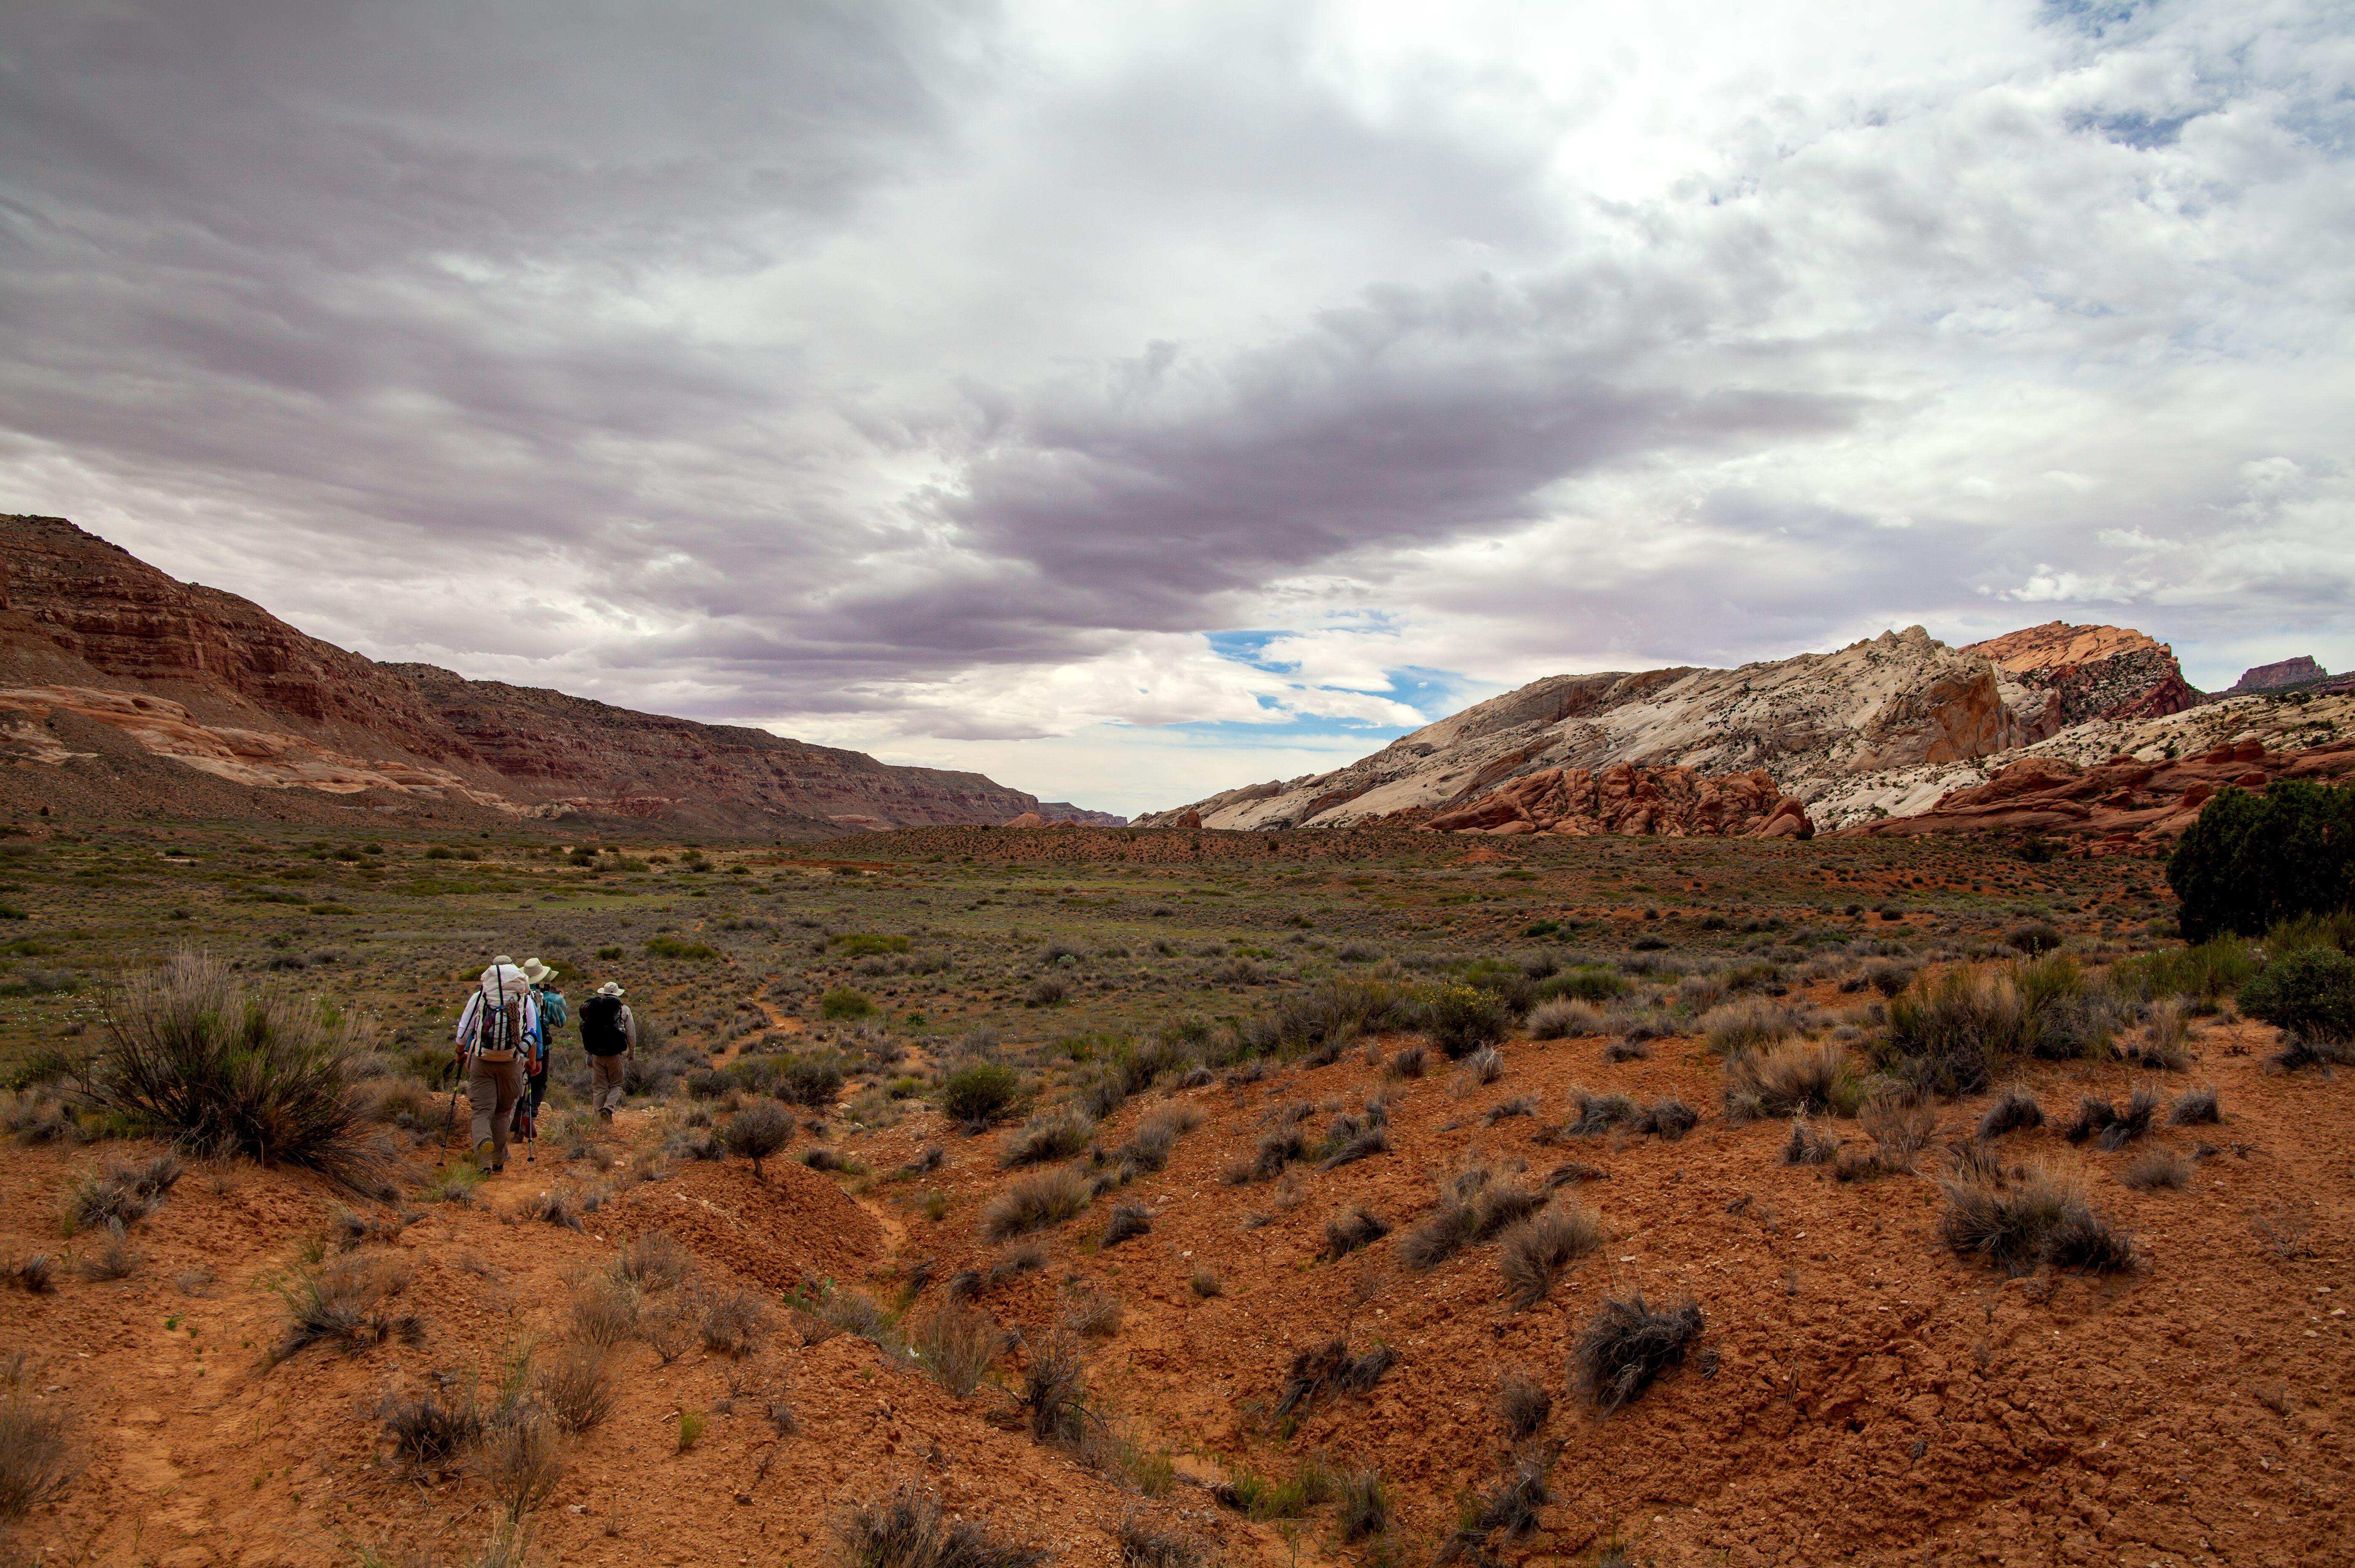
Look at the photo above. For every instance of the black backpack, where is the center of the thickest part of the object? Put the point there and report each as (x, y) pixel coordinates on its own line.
(600, 1027)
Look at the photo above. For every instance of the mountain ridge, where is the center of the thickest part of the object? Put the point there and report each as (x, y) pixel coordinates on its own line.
(108, 666)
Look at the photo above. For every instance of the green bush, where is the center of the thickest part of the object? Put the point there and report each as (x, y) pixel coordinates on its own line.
(2309, 992)
(674, 947)
(865, 943)
(2253, 861)
(1583, 985)
(979, 1094)
(192, 1054)
(1460, 1020)
(2204, 974)
(842, 1002)
(812, 1081)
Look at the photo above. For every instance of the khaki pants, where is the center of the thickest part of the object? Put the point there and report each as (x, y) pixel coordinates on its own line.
(606, 1075)
(492, 1090)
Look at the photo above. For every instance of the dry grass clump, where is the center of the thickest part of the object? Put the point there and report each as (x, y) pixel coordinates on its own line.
(1327, 1372)
(1485, 1065)
(2015, 1110)
(1142, 1545)
(1523, 1407)
(2115, 1127)
(578, 1386)
(1899, 1131)
(521, 1462)
(2035, 1217)
(1796, 1079)
(1042, 1198)
(1532, 1254)
(1053, 1399)
(1473, 1205)
(2166, 1039)
(34, 1275)
(1359, 1228)
(605, 1311)
(1566, 1017)
(1504, 1110)
(1594, 1115)
(735, 1323)
(36, 1462)
(908, 1529)
(1950, 1039)
(118, 1259)
(1627, 1344)
(2194, 1107)
(1149, 1147)
(655, 1260)
(1512, 1508)
(958, 1345)
(1669, 1119)
(1096, 1314)
(124, 1195)
(1053, 1134)
(1128, 1219)
(2156, 1169)
(426, 1431)
(1411, 1061)
(346, 1302)
(1806, 1145)
(1749, 1024)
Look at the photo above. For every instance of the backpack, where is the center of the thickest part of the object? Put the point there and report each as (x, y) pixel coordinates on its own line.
(552, 1013)
(600, 1027)
(499, 1032)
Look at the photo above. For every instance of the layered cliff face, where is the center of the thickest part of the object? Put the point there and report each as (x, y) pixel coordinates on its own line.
(103, 659)
(2286, 676)
(1798, 740)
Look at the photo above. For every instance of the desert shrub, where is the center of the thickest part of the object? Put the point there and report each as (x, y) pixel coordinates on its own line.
(1142, 1545)
(1460, 1020)
(2299, 1051)
(265, 1075)
(908, 1529)
(2309, 992)
(679, 949)
(1900, 1129)
(1566, 1017)
(1627, 1344)
(1206, 1285)
(979, 1094)
(670, 1327)
(34, 1275)
(2202, 975)
(958, 1345)
(2156, 1169)
(1671, 1118)
(2035, 938)
(2018, 1223)
(1330, 1015)
(1626, 1049)
(2015, 1110)
(814, 1082)
(603, 1311)
(1057, 1135)
(1511, 1507)
(843, 1002)
(1277, 1149)
(2194, 1107)
(427, 1431)
(1359, 1228)
(1042, 1198)
(1504, 1110)
(1794, 1078)
(1327, 1372)
(346, 1302)
(120, 1196)
(118, 1259)
(1889, 977)
(655, 1260)
(1583, 985)
(2166, 1039)
(1485, 1065)
(1474, 1204)
(1753, 1024)
(1951, 1038)
(521, 1462)
(735, 1323)
(859, 1314)
(1128, 1219)
(1053, 1397)
(1523, 1407)
(578, 1386)
(2115, 1128)
(1149, 1147)
(1411, 1061)
(1532, 1254)
(36, 1462)
(759, 1131)
(2253, 861)
(1591, 1116)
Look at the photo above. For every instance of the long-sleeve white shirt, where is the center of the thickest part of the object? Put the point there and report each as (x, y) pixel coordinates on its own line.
(472, 1012)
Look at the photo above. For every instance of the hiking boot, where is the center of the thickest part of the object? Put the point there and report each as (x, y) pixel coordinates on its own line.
(605, 1113)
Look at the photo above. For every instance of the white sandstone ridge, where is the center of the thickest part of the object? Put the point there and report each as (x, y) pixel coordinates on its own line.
(1894, 707)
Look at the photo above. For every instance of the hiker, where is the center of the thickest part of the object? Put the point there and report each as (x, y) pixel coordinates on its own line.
(499, 1031)
(610, 1035)
(552, 1016)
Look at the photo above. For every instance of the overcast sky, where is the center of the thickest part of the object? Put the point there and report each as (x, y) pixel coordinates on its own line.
(1133, 400)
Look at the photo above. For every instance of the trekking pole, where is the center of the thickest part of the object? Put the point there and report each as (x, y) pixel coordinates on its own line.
(448, 1127)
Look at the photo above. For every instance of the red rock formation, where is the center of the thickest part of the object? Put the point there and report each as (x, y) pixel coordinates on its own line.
(2091, 672)
(2117, 805)
(1027, 819)
(1674, 802)
(216, 685)
(2299, 671)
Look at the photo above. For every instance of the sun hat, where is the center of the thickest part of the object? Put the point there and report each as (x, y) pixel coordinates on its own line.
(536, 972)
(503, 959)
(609, 989)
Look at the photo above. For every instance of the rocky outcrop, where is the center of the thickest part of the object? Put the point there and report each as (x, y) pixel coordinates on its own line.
(1673, 801)
(2059, 675)
(102, 657)
(1064, 811)
(2121, 804)
(2281, 675)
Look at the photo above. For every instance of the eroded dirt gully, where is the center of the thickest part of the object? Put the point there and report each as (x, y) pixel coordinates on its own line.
(1859, 1394)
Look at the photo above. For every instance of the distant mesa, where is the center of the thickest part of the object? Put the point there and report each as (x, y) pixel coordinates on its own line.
(123, 689)
(2299, 671)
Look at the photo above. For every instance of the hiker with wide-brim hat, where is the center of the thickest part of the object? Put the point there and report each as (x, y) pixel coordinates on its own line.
(498, 1032)
(610, 1035)
(552, 1016)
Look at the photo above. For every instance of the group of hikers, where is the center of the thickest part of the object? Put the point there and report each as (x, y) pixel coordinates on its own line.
(506, 1032)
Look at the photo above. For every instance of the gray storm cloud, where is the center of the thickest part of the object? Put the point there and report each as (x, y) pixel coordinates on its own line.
(924, 374)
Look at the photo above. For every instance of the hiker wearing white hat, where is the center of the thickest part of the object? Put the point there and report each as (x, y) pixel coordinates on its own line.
(610, 1035)
(552, 1016)
(498, 1032)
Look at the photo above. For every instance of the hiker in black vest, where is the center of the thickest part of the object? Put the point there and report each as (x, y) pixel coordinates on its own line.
(497, 1031)
(610, 1035)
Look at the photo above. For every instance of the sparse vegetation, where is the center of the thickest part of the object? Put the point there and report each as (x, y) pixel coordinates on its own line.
(1627, 1344)
(1532, 1254)
(759, 1130)
(2039, 1217)
(910, 1530)
(1034, 1202)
